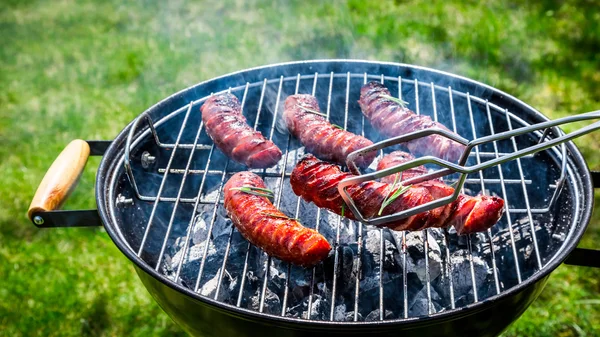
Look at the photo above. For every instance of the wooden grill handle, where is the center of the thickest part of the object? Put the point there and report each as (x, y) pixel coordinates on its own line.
(61, 178)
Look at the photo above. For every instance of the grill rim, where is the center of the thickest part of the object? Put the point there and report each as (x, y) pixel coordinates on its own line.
(111, 167)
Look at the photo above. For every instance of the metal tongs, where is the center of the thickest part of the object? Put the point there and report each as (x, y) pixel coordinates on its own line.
(450, 168)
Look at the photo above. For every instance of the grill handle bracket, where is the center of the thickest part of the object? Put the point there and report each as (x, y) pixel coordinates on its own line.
(584, 257)
(595, 178)
(67, 218)
(58, 183)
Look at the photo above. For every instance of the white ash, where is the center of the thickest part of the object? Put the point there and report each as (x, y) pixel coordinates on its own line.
(271, 305)
(339, 312)
(422, 305)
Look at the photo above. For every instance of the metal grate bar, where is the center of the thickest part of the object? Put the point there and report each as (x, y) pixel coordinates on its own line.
(183, 179)
(287, 280)
(224, 264)
(489, 232)
(358, 269)
(243, 281)
(506, 207)
(426, 231)
(287, 175)
(215, 208)
(446, 235)
(469, 240)
(318, 218)
(404, 273)
(220, 201)
(417, 111)
(526, 195)
(337, 239)
(358, 259)
(190, 224)
(228, 248)
(448, 263)
(381, 256)
(280, 191)
(435, 116)
(268, 262)
(162, 183)
(289, 266)
(210, 228)
(470, 250)
(260, 103)
(286, 289)
(427, 271)
(470, 246)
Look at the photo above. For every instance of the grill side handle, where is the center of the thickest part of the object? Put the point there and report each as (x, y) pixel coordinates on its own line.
(58, 183)
(583, 256)
(595, 178)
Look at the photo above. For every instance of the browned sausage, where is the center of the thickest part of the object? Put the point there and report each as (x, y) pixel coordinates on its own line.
(392, 120)
(319, 136)
(268, 228)
(469, 214)
(316, 181)
(227, 127)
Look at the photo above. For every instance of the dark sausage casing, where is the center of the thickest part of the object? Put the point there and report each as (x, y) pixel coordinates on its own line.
(469, 215)
(316, 181)
(392, 120)
(229, 130)
(268, 228)
(319, 136)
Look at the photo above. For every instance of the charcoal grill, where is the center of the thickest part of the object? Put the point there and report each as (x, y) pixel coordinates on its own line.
(158, 192)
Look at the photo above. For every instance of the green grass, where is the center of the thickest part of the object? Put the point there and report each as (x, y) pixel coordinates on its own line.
(84, 70)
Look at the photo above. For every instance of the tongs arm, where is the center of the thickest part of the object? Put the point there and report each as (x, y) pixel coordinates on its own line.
(450, 168)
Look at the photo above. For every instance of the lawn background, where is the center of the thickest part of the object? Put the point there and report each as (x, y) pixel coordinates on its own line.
(83, 69)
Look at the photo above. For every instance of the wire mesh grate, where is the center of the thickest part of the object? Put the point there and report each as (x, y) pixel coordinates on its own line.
(246, 277)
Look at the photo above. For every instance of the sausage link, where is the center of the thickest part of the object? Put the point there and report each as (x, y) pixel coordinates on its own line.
(392, 120)
(268, 228)
(316, 181)
(467, 214)
(227, 127)
(319, 136)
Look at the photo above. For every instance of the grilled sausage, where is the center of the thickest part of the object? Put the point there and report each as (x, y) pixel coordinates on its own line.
(319, 136)
(227, 127)
(268, 228)
(392, 120)
(316, 181)
(469, 214)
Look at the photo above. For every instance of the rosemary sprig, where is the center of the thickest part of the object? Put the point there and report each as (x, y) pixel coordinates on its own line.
(393, 196)
(396, 100)
(311, 111)
(278, 216)
(261, 192)
(337, 126)
(343, 209)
